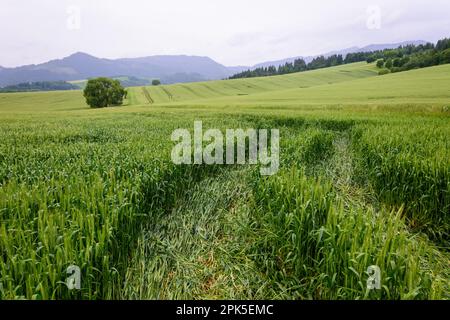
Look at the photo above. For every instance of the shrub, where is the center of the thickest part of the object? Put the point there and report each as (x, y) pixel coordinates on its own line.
(156, 82)
(388, 63)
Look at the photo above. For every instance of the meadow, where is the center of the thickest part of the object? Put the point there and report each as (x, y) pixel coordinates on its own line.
(364, 180)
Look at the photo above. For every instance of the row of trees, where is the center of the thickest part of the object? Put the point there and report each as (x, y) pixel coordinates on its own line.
(411, 57)
(39, 86)
(399, 59)
(299, 65)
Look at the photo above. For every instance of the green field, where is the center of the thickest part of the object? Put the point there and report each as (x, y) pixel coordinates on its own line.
(364, 180)
(237, 89)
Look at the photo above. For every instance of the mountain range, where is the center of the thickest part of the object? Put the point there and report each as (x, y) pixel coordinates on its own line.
(169, 69)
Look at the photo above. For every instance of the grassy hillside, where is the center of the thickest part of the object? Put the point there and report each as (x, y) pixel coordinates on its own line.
(364, 180)
(243, 87)
(70, 101)
(353, 84)
(418, 86)
(38, 102)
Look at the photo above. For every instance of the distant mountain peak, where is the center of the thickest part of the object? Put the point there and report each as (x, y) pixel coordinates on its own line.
(80, 55)
(80, 65)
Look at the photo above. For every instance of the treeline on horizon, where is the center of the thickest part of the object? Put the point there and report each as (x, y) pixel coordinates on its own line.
(39, 86)
(392, 60)
(64, 85)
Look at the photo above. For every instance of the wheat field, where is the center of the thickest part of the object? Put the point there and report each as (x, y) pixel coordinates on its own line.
(364, 180)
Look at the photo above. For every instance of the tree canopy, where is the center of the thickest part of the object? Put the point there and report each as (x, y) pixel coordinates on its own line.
(104, 92)
(413, 57)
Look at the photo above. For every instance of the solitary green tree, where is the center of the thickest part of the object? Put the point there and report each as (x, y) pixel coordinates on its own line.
(104, 92)
(156, 82)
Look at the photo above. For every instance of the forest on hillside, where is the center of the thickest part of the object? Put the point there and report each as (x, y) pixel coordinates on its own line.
(393, 60)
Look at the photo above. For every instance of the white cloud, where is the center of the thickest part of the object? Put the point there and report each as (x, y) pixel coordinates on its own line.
(229, 31)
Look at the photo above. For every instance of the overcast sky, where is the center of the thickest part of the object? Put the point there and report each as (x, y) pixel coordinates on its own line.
(232, 32)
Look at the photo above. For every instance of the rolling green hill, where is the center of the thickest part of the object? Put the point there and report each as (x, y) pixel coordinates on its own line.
(429, 85)
(243, 87)
(363, 181)
(353, 84)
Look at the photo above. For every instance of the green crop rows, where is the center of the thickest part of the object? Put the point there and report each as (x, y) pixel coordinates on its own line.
(364, 180)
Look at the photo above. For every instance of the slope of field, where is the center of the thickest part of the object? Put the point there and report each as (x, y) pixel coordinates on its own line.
(354, 84)
(429, 85)
(243, 87)
(73, 100)
(38, 102)
(364, 180)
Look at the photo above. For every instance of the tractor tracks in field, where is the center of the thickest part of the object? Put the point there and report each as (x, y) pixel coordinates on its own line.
(197, 249)
(147, 95)
(195, 93)
(340, 168)
(213, 90)
(167, 92)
